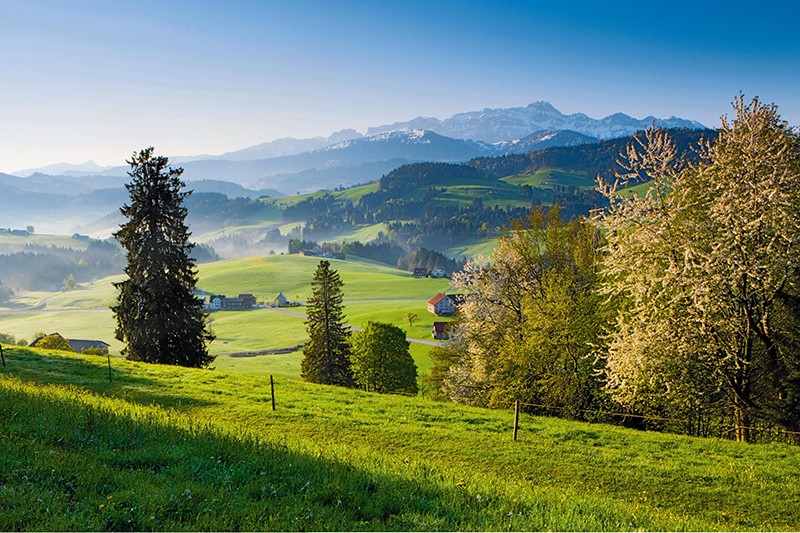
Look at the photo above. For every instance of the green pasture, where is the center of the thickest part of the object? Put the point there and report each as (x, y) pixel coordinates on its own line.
(165, 448)
(491, 193)
(548, 177)
(363, 233)
(71, 324)
(251, 232)
(267, 276)
(479, 248)
(13, 243)
(372, 292)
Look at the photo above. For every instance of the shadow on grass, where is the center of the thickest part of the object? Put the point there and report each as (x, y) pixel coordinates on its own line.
(71, 465)
(63, 368)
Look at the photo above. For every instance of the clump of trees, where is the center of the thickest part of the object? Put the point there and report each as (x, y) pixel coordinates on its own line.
(376, 358)
(707, 266)
(686, 313)
(158, 317)
(530, 321)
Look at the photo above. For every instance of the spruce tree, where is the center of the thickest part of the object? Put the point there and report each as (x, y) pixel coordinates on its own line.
(158, 318)
(326, 355)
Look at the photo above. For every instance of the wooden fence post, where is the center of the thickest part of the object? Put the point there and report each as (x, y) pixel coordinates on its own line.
(272, 390)
(2, 356)
(516, 419)
(108, 355)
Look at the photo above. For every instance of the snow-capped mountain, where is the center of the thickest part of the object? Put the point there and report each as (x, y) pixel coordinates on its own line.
(357, 155)
(508, 124)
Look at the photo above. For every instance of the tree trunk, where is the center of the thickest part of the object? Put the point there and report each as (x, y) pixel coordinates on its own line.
(741, 420)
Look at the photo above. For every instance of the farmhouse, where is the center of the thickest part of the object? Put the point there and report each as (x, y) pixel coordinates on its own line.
(313, 252)
(281, 301)
(441, 305)
(78, 345)
(221, 303)
(420, 273)
(438, 273)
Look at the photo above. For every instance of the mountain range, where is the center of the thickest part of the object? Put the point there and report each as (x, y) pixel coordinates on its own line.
(457, 138)
(345, 158)
(508, 124)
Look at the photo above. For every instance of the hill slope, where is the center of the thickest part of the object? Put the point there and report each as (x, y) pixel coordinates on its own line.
(169, 448)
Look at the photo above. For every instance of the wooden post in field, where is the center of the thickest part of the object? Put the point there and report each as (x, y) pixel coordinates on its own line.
(2, 356)
(108, 355)
(516, 419)
(272, 390)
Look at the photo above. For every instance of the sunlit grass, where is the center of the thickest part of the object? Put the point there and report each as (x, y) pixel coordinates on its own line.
(168, 448)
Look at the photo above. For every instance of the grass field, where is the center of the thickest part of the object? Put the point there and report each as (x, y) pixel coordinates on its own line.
(266, 276)
(13, 243)
(373, 292)
(164, 448)
(548, 177)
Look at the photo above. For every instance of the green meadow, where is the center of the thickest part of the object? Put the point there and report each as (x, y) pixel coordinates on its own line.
(549, 177)
(372, 291)
(166, 448)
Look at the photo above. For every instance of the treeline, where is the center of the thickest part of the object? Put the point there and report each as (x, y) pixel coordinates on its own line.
(44, 268)
(384, 252)
(416, 175)
(675, 310)
(594, 158)
(215, 210)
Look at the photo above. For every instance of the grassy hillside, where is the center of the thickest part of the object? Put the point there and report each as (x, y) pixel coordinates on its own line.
(170, 449)
(372, 292)
(267, 276)
(548, 177)
(13, 243)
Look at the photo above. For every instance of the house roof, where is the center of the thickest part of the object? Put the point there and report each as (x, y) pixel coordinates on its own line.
(436, 299)
(80, 345)
(439, 327)
(77, 345)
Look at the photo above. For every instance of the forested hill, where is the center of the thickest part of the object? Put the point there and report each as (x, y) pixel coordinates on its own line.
(596, 158)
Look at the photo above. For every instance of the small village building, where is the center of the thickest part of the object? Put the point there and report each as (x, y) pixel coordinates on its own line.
(420, 272)
(78, 345)
(438, 273)
(221, 303)
(313, 252)
(441, 305)
(281, 301)
(440, 330)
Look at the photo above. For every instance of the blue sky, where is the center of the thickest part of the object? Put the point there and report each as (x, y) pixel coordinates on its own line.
(97, 80)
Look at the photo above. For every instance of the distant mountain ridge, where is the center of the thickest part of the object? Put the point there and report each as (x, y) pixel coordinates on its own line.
(509, 124)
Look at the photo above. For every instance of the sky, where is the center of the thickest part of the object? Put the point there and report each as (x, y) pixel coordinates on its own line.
(84, 80)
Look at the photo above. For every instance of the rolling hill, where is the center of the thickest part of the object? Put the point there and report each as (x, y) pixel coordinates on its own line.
(168, 448)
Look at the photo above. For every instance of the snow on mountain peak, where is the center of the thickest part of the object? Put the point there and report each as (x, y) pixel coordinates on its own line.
(505, 124)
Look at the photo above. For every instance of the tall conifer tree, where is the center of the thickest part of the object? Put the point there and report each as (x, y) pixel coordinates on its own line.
(158, 318)
(326, 354)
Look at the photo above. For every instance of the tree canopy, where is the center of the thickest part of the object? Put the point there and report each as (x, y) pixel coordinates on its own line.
(531, 319)
(707, 264)
(158, 317)
(381, 360)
